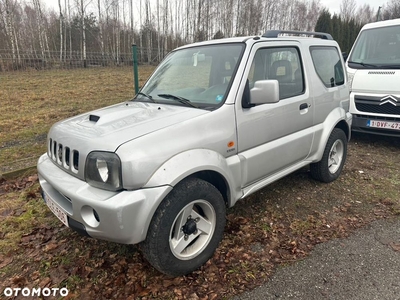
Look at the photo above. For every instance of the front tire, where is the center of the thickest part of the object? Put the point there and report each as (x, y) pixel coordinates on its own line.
(330, 166)
(186, 228)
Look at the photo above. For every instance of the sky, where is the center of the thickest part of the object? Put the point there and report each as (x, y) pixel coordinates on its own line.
(332, 5)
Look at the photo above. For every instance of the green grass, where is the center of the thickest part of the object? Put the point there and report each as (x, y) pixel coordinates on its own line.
(30, 102)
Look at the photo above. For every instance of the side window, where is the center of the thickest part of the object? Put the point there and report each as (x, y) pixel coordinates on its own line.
(282, 64)
(328, 65)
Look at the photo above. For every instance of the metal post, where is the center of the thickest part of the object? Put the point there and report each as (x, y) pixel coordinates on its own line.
(135, 68)
(377, 15)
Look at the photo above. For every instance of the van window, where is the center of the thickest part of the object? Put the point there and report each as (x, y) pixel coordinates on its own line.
(328, 65)
(377, 47)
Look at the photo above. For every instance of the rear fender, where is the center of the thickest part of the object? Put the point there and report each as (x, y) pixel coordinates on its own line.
(338, 118)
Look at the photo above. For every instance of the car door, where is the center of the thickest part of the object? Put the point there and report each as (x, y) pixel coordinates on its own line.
(273, 137)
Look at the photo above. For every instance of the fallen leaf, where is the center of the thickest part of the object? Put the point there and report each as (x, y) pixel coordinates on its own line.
(5, 261)
(58, 275)
(395, 247)
(50, 246)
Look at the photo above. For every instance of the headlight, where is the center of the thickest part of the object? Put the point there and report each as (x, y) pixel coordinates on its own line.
(350, 77)
(103, 170)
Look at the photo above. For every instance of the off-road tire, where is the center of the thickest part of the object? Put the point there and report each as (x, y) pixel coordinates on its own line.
(330, 166)
(207, 205)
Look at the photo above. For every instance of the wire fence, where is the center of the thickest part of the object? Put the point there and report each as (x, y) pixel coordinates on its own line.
(50, 63)
(49, 60)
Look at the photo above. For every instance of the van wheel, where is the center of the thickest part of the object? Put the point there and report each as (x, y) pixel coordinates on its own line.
(332, 162)
(186, 228)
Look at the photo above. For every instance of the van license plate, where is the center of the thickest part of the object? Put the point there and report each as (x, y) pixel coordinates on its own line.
(60, 214)
(383, 124)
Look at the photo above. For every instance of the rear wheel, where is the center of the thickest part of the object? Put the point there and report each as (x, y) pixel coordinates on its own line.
(330, 166)
(186, 228)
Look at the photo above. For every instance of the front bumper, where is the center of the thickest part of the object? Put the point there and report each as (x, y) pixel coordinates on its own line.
(360, 125)
(121, 217)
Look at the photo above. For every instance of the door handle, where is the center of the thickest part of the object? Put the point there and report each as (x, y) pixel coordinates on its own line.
(304, 106)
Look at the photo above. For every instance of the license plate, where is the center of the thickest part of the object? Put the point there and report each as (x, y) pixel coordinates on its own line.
(383, 124)
(60, 214)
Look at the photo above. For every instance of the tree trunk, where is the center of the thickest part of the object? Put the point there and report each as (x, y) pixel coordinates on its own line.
(117, 33)
(9, 29)
(61, 31)
(70, 30)
(101, 31)
(65, 31)
(83, 35)
(131, 29)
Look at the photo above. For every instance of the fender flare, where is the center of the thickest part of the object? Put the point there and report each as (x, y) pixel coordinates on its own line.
(189, 162)
(343, 121)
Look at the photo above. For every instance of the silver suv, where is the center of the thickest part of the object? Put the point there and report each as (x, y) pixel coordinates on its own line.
(215, 122)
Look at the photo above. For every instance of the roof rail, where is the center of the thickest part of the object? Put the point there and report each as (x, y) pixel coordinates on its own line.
(275, 33)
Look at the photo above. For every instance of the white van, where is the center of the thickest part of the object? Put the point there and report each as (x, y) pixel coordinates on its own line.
(373, 67)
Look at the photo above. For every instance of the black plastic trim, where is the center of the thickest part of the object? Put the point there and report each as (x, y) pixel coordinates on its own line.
(78, 227)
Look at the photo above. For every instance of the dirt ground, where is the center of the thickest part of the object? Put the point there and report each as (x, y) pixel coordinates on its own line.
(274, 227)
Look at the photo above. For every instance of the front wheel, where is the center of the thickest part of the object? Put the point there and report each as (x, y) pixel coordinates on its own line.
(330, 166)
(186, 228)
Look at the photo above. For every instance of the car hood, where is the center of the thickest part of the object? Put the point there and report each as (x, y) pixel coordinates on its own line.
(376, 81)
(107, 128)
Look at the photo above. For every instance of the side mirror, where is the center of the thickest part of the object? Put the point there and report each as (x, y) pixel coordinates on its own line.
(345, 56)
(264, 91)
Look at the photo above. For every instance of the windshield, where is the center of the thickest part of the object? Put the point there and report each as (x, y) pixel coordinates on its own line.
(377, 48)
(197, 77)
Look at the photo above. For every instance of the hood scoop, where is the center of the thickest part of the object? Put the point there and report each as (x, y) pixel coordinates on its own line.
(94, 118)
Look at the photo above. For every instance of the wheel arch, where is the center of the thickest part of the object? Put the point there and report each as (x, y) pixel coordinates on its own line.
(217, 180)
(338, 118)
(345, 127)
(223, 173)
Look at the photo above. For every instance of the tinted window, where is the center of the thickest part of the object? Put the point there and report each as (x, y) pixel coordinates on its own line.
(328, 65)
(282, 64)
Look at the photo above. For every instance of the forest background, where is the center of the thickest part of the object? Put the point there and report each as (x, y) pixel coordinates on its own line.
(84, 33)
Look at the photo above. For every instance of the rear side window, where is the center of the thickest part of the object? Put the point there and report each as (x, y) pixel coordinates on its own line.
(328, 65)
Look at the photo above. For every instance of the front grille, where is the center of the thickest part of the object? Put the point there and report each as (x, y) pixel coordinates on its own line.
(378, 105)
(63, 155)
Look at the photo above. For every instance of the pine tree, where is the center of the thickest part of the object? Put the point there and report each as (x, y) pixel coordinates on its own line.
(324, 23)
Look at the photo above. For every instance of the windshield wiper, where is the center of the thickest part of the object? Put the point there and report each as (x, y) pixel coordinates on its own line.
(390, 66)
(146, 95)
(363, 64)
(178, 98)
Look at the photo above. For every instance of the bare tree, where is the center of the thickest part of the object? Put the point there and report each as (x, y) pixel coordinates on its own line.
(365, 14)
(117, 31)
(101, 28)
(82, 14)
(131, 27)
(61, 30)
(43, 39)
(65, 30)
(347, 9)
(313, 14)
(70, 31)
(8, 10)
(392, 10)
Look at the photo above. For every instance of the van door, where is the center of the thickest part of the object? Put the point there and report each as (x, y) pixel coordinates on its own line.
(274, 136)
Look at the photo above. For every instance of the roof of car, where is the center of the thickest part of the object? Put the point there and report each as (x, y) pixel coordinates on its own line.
(382, 24)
